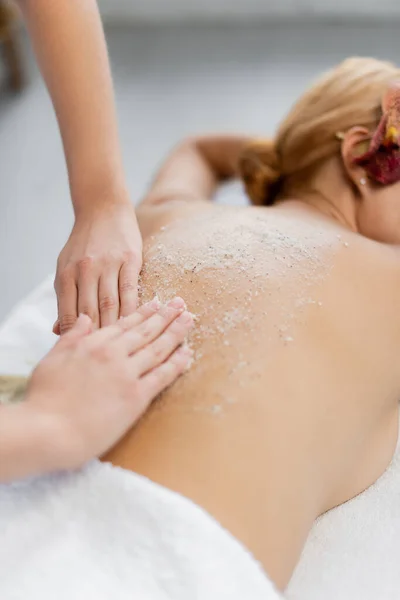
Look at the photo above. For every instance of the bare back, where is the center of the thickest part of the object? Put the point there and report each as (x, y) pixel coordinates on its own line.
(290, 406)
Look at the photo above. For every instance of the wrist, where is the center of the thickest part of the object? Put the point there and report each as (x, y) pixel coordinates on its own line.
(98, 195)
(222, 152)
(51, 443)
(31, 442)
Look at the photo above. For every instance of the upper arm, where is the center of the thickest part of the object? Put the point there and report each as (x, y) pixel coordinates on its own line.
(184, 181)
(185, 175)
(190, 176)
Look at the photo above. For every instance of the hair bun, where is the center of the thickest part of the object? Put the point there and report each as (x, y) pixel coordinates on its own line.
(260, 170)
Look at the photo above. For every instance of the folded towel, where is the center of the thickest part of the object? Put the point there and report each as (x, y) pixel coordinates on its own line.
(352, 552)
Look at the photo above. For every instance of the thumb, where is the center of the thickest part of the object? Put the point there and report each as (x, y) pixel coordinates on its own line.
(83, 326)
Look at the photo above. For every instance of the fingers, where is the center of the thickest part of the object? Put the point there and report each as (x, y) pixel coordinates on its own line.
(88, 286)
(161, 377)
(142, 313)
(113, 331)
(82, 327)
(108, 298)
(103, 292)
(136, 338)
(127, 284)
(67, 299)
(158, 351)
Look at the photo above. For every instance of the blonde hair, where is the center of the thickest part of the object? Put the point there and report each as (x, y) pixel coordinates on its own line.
(348, 95)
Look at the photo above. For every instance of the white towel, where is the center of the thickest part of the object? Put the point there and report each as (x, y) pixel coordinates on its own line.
(106, 533)
(26, 335)
(352, 553)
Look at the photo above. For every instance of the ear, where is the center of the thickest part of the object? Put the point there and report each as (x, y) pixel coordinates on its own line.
(391, 95)
(356, 142)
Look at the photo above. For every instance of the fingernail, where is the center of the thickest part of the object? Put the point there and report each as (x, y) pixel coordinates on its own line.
(155, 303)
(177, 303)
(185, 318)
(84, 316)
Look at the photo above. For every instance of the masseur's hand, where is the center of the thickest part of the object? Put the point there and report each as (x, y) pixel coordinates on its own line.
(98, 268)
(93, 387)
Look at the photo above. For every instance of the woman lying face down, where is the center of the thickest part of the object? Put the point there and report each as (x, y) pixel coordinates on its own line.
(291, 405)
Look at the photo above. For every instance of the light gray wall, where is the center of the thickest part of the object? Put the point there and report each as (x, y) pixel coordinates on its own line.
(250, 10)
(169, 82)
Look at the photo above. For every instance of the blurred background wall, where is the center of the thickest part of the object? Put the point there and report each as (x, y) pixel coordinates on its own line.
(179, 67)
(246, 10)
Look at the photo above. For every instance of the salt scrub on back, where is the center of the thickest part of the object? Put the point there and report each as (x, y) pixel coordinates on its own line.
(234, 268)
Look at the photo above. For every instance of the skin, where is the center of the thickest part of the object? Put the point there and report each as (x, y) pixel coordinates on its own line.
(91, 388)
(97, 270)
(291, 405)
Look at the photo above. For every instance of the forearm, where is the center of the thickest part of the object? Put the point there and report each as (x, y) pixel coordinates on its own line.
(30, 443)
(221, 153)
(196, 167)
(70, 47)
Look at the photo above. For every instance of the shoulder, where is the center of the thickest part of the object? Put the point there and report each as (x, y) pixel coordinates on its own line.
(152, 217)
(365, 283)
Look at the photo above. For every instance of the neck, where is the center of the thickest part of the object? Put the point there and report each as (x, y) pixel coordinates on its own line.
(329, 193)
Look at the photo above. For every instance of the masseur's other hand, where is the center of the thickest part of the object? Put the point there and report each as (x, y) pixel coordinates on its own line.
(98, 268)
(94, 386)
